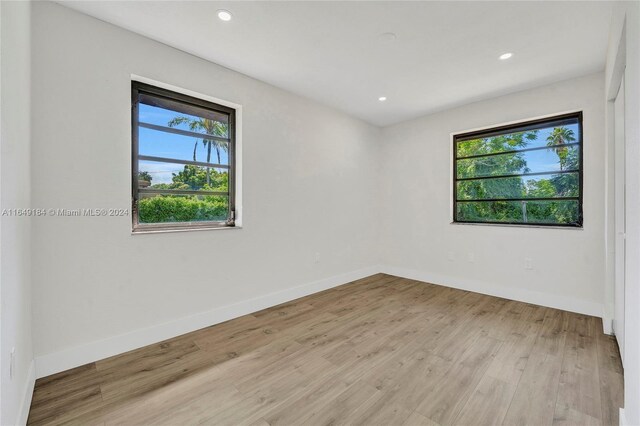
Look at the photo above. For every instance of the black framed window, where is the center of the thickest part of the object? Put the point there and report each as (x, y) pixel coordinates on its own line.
(528, 173)
(183, 161)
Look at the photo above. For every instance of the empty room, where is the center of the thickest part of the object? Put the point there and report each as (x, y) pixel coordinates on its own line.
(262, 213)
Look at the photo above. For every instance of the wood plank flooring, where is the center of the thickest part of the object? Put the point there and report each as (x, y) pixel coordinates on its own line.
(378, 351)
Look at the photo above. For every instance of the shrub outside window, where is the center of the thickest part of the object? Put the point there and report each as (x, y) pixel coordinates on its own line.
(528, 173)
(182, 161)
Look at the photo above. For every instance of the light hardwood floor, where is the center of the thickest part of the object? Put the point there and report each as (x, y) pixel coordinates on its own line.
(379, 351)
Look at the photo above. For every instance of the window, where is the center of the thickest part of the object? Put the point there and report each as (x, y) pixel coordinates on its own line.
(182, 161)
(526, 173)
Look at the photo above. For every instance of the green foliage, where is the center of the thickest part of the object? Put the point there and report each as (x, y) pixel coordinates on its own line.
(191, 208)
(556, 186)
(502, 143)
(175, 208)
(187, 208)
(195, 178)
(210, 127)
(560, 211)
(561, 136)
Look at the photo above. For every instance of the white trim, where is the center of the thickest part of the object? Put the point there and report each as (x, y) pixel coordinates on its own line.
(622, 420)
(522, 295)
(238, 129)
(508, 123)
(25, 406)
(73, 357)
(187, 92)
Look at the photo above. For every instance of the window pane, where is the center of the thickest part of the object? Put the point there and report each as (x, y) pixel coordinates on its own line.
(182, 208)
(543, 186)
(544, 160)
(171, 131)
(169, 176)
(168, 145)
(524, 173)
(549, 135)
(164, 112)
(560, 212)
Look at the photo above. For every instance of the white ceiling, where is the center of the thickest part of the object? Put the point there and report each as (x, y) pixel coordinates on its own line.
(445, 53)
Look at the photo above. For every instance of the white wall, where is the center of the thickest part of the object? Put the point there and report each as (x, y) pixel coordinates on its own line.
(306, 190)
(15, 265)
(624, 51)
(418, 238)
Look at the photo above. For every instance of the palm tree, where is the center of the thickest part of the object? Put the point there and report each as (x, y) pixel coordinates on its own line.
(558, 137)
(210, 127)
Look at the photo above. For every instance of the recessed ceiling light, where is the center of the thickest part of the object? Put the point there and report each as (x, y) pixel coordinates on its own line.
(506, 56)
(382, 98)
(224, 15)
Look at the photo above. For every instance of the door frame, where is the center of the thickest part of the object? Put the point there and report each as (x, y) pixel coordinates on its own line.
(619, 192)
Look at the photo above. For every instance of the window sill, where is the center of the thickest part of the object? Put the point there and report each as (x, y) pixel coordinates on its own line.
(513, 225)
(171, 230)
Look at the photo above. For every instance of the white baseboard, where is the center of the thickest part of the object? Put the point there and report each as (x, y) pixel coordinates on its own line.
(94, 351)
(23, 413)
(521, 295)
(622, 419)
